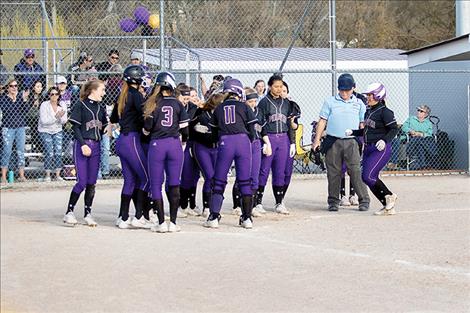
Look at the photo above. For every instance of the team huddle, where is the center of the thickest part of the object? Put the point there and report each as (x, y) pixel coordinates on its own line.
(167, 141)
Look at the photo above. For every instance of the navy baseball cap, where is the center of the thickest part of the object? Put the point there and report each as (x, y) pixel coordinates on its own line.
(29, 53)
(346, 82)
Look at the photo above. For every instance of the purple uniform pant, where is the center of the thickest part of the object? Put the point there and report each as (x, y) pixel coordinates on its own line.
(373, 161)
(276, 161)
(190, 175)
(231, 148)
(86, 166)
(133, 162)
(205, 158)
(165, 158)
(289, 170)
(255, 163)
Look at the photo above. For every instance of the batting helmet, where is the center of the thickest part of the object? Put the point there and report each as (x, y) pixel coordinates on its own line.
(377, 90)
(133, 74)
(166, 79)
(234, 86)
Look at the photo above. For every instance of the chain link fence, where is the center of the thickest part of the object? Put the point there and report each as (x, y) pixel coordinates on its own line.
(64, 44)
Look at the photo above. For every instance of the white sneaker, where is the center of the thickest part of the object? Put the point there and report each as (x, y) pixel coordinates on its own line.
(194, 212)
(260, 209)
(47, 179)
(69, 218)
(354, 200)
(153, 218)
(384, 212)
(344, 201)
(248, 224)
(182, 213)
(281, 209)
(390, 201)
(205, 213)
(160, 228)
(256, 213)
(125, 224)
(58, 178)
(237, 211)
(173, 228)
(141, 223)
(211, 223)
(90, 221)
(118, 221)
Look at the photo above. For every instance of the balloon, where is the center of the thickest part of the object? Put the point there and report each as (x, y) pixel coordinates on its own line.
(154, 21)
(141, 15)
(128, 25)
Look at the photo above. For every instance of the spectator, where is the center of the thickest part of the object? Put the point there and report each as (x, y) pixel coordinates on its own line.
(34, 102)
(260, 87)
(113, 58)
(52, 115)
(421, 147)
(113, 89)
(28, 64)
(14, 110)
(340, 112)
(136, 59)
(3, 77)
(83, 67)
(65, 94)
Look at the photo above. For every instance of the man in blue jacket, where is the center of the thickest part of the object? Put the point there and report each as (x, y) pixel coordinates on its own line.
(29, 64)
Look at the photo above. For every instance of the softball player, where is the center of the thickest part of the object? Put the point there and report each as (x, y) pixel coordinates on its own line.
(128, 113)
(164, 118)
(190, 175)
(233, 123)
(380, 128)
(275, 111)
(89, 122)
(204, 150)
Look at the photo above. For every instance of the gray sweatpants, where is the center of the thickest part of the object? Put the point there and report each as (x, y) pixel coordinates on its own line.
(347, 151)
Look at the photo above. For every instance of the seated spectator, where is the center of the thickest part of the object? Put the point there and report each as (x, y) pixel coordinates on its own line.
(84, 69)
(52, 115)
(421, 145)
(3, 77)
(28, 64)
(14, 110)
(113, 58)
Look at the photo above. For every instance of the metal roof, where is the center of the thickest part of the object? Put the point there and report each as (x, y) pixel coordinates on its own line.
(435, 44)
(297, 54)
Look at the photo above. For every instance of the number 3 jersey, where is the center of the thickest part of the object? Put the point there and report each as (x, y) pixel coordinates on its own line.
(166, 119)
(233, 117)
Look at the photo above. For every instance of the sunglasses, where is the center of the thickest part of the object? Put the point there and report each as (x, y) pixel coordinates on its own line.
(422, 111)
(115, 58)
(53, 94)
(90, 60)
(13, 86)
(30, 57)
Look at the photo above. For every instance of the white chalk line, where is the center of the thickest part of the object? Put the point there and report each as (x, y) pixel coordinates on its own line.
(398, 213)
(463, 272)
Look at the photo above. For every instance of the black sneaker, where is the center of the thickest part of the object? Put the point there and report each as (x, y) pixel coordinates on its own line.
(333, 208)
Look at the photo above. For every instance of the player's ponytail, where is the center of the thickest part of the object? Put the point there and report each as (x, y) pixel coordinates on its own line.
(213, 101)
(151, 103)
(121, 103)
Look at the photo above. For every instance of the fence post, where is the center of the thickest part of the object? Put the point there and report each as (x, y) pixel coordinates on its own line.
(162, 35)
(332, 4)
(44, 40)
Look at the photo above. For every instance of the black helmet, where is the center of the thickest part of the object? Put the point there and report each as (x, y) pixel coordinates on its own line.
(134, 74)
(166, 79)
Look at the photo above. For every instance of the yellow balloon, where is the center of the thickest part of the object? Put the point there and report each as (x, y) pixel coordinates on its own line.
(154, 21)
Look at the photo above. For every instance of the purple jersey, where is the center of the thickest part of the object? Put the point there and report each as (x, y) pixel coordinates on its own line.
(166, 119)
(233, 117)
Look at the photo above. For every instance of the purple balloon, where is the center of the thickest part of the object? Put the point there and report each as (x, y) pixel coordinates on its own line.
(141, 15)
(128, 25)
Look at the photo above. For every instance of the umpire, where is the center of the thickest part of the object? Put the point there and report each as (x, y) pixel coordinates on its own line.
(339, 113)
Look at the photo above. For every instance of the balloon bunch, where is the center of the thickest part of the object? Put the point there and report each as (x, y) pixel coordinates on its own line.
(142, 17)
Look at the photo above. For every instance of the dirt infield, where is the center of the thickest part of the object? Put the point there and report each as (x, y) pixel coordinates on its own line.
(310, 261)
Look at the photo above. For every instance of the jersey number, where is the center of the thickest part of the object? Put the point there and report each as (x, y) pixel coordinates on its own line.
(229, 114)
(168, 120)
